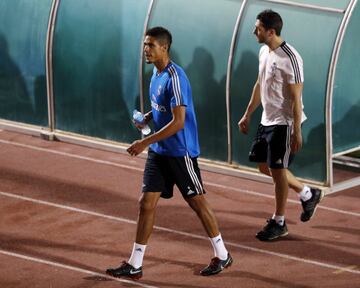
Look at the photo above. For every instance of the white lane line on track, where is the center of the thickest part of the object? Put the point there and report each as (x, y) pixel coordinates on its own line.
(272, 197)
(120, 219)
(73, 268)
(352, 267)
(244, 191)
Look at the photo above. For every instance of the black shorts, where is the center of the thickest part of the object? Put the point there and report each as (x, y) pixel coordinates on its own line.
(272, 145)
(162, 172)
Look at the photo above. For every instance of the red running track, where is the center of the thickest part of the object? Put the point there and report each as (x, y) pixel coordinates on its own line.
(69, 212)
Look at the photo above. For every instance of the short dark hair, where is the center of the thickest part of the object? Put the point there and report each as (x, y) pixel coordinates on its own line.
(271, 20)
(161, 34)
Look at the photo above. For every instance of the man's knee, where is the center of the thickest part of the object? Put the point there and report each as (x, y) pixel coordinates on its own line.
(278, 175)
(197, 203)
(264, 168)
(148, 202)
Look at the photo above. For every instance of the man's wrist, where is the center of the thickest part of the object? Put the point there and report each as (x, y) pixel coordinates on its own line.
(247, 114)
(297, 129)
(146, 141)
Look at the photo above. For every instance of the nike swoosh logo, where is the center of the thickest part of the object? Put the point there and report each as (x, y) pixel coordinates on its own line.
(133, 272)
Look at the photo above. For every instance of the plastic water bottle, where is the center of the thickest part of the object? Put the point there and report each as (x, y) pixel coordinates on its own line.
(139, 119)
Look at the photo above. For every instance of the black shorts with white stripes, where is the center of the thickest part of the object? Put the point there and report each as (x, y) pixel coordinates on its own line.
(162, 172)
(272, 145)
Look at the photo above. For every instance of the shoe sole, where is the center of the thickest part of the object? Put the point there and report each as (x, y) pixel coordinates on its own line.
(273, 238)
(225, 267)
(132, 277)
(322, 194)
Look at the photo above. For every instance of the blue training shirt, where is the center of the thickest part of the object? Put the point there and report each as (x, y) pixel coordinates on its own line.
(169, 89)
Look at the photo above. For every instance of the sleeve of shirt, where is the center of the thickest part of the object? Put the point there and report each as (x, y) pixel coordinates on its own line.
(295, 70)
(178, 87)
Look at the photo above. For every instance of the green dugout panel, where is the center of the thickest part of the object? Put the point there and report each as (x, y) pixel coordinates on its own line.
(202, 32)
(96, 79)
(346, 95)
(313, 34)
(23, 28)
(96, 67)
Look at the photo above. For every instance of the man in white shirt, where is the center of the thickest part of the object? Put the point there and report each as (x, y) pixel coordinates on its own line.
(279, 90)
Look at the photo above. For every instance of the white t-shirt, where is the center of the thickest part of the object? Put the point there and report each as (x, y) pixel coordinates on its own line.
(277, 69)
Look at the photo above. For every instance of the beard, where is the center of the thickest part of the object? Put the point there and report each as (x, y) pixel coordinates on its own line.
(260, 40)
(147, 60)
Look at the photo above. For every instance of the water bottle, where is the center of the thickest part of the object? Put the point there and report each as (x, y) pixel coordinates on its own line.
(139, 119)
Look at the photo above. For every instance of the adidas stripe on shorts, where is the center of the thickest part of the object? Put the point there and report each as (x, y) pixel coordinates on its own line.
(163, 172)
(272, 145)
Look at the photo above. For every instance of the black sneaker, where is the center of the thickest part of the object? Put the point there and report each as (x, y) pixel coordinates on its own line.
(125, 270)
(271, 231)
(310, 205)
(216, 266)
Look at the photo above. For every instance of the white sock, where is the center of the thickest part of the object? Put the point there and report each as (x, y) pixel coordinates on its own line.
(279, 219)
(305, 194)
(219, 247)
(137, 255)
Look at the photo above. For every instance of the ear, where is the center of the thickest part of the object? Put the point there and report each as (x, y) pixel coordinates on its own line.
(165, 47)
(272, 32)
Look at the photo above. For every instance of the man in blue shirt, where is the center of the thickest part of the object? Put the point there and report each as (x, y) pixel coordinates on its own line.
(172, 156)
(170, 89)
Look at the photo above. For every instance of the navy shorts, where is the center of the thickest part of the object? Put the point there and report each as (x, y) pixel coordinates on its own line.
(162, 172)
(272, 145)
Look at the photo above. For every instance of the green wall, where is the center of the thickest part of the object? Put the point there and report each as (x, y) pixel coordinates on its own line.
(96, 69)
(23, 26)
(346, 97)
(96, 66)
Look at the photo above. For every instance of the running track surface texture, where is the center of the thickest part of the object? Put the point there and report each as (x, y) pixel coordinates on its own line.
(68, 212)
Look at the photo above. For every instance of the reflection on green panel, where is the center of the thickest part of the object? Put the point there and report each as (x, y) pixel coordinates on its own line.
(313, 35)
(96, 60)
(346, 96)
(23, 27)
(202, 32)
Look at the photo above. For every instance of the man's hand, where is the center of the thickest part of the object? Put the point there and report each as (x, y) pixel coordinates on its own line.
(296, 141)
(244, 124)
(137, 147)
(139, 126)
(147, 118)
